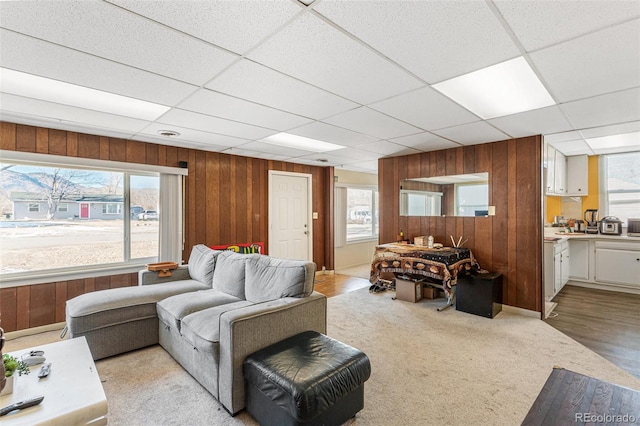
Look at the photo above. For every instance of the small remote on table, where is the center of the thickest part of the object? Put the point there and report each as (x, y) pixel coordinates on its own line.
(21, 405)
(44, 370)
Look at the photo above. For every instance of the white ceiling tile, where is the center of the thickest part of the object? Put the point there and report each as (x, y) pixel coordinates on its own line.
(332, 134)
(575, 147)
(614, 108)
(425, 108)
(256, 154)
(260, 146)
(562, 136)
(598, 63)
(52, 123)
(373, 123)
(539, 24)
(207, 123)
(473, 133)
(223, 23)
(435, 40)
(386, 148)
(314, 51)
(365, 166)
(616, 129)
(220, 105)
(536, 122)
(48, 110)
(192, 135)
(425, 142)
(108, 31)
(59, 63)
(337, 159)
(257, 83)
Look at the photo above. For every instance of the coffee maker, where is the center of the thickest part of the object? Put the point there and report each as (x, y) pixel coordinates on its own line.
(591, 218)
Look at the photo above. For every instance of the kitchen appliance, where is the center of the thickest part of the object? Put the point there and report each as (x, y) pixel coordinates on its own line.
(591, 219)
(633, 227)
(610, 225)
(579, 226)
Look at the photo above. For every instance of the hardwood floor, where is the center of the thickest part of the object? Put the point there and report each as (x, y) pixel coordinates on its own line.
(334, 284)
(606, 322)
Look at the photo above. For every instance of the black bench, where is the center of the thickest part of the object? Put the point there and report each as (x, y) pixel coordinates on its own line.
(307, 379)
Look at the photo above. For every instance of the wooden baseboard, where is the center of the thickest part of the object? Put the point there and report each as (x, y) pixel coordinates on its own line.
(35, 330)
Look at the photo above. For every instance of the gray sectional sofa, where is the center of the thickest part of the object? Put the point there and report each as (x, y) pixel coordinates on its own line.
(209, 315)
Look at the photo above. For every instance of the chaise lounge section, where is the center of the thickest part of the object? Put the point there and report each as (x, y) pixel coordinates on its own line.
(209, 315)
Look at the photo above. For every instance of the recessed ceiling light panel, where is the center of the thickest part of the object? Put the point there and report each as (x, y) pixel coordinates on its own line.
(300, 142)
(502, 89)
(35, 87)
(627, 140)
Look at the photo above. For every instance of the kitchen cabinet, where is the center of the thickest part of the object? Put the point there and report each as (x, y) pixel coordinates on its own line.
(577, 175)
(579, 260)
(557, 267)
(618, 263)
(551, 170)
(560, 175)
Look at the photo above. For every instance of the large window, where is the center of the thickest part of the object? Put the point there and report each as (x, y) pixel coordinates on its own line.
(361, 214)
(620, 185)
(68, 219)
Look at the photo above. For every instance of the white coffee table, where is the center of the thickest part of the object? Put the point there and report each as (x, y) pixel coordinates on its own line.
(73, 393)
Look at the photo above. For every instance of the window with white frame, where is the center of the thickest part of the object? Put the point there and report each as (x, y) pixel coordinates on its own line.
(356, 214)
(472, 199)
(112, 208)
(78, 240)
(620, 185)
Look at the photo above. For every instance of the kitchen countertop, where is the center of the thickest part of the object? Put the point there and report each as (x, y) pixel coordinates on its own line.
(556, 232)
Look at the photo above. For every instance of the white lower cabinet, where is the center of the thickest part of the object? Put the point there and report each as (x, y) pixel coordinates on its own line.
(579, 260)
(618, 263)
(557, 267)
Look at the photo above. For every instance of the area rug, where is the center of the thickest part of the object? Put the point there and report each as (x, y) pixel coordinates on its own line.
(428, 368)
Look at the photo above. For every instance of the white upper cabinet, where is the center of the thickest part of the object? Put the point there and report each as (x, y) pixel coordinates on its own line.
(550, 163)
(560, 174)
(578, 175)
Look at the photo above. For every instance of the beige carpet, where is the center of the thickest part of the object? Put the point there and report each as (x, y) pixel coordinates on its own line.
(428, 368)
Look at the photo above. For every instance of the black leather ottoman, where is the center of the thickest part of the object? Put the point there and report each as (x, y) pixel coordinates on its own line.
(307, 379)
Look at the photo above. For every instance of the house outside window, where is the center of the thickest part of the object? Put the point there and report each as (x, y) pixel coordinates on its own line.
(620, 186)
(63, 207)
(34, 207)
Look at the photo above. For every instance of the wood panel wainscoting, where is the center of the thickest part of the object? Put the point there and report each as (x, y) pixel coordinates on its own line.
(226, 202)
(509, 242)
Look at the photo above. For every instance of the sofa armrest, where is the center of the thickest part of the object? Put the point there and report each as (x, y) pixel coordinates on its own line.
(146, 277)
(244, 331)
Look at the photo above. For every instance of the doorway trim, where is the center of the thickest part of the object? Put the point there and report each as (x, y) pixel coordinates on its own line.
(309, 178)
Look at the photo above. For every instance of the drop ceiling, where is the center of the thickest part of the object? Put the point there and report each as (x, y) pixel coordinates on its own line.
(354, 73)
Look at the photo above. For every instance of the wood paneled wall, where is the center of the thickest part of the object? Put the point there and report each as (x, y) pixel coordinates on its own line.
(226, 202)
(509, 242)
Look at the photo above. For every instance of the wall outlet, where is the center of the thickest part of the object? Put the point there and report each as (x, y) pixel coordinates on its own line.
(314, 215)
(492, 210)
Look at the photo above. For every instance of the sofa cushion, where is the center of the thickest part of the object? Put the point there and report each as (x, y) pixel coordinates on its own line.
(270, 278)
(202, 328)
(202, 262)
(104, 308)
(229, 273)
(172, 309)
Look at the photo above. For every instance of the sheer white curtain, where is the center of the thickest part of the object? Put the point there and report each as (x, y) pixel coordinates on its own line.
(340, 216)
(171, 227)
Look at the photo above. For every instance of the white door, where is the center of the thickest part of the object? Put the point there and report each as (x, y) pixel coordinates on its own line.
(289, 207)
